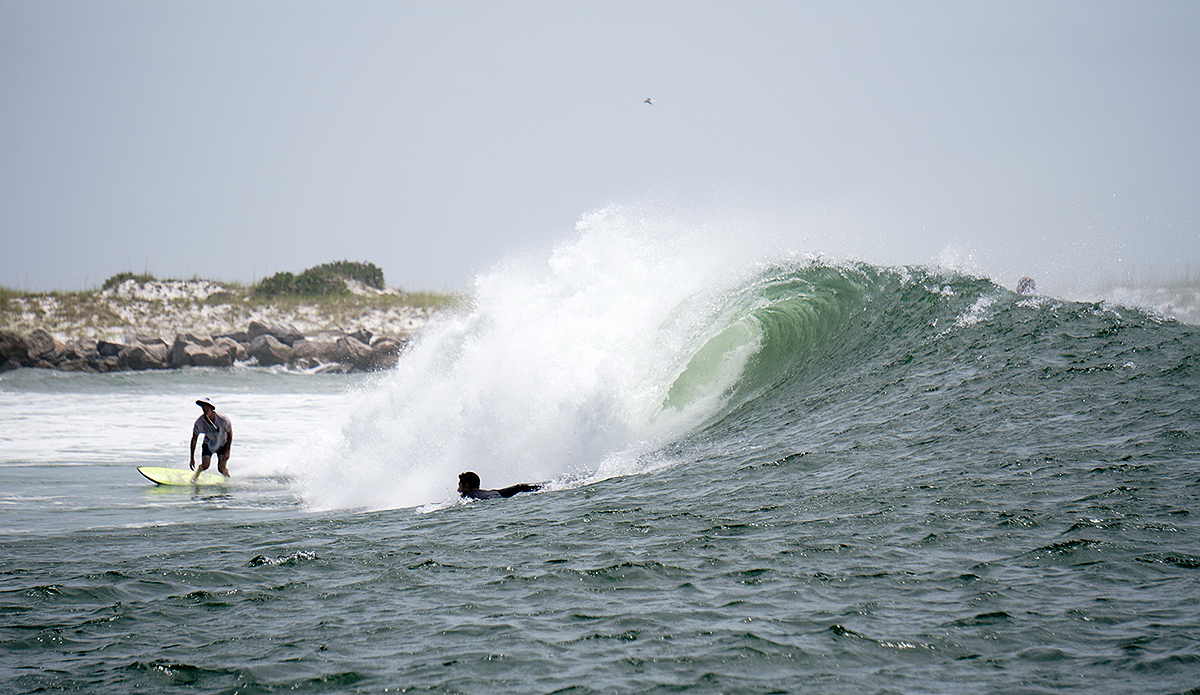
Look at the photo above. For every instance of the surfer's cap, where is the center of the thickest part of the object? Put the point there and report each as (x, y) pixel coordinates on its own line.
(206, 401)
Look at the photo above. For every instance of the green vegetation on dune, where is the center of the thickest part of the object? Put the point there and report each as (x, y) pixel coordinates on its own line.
(368, 274)
(142, 278)
(322, 280)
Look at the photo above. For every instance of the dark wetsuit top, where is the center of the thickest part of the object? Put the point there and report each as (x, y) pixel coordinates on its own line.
(503, 492)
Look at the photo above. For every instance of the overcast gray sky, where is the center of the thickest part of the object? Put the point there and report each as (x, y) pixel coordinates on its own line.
(232, 140)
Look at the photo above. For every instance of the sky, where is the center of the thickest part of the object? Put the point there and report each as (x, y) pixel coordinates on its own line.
(233, 140)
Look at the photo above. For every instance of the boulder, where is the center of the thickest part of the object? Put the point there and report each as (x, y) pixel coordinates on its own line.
(269, 351)
(80, 349)
(186, 345)
(355, 354)
(306, 363)
(43, 346)
(99, 363)
(132, 337)
(319, 350)
(196, 351)
(285, 333)
(107, 349)
(234, 346)
(193, 339)
(211, 356)
(386, 352)
(14, 348)
(141, 356)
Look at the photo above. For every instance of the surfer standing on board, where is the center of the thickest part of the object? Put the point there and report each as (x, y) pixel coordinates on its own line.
(468, 486)
(218, 438)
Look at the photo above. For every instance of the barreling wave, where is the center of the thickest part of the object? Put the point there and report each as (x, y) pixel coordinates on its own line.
(627, 340)
(811, 319)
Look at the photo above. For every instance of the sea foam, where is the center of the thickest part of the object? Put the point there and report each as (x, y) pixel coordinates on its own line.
(561, 370)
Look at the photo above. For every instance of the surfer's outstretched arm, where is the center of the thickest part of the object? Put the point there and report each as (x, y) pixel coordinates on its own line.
(468, 486)
(522, 487)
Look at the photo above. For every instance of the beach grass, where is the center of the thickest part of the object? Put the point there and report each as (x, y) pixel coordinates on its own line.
(220, 306)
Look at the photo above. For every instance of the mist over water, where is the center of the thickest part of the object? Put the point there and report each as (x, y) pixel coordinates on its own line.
(561, 369)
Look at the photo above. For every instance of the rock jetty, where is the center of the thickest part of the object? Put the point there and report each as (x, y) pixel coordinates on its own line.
(261, 344)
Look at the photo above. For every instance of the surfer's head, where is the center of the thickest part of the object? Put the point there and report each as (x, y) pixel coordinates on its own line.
(206, 404)
(467, 482)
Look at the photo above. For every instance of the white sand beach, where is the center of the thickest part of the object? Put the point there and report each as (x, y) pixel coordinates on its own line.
(168, 307)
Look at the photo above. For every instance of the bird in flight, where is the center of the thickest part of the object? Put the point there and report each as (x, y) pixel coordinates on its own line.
(649, 101)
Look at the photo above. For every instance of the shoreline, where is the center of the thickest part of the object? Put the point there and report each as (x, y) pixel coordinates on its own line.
(167, 324)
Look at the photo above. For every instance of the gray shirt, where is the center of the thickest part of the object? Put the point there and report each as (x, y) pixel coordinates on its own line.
(215, 433)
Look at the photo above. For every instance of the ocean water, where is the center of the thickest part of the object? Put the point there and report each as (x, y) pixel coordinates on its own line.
(778, 474)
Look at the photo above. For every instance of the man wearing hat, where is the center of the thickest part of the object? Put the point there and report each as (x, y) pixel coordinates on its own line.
(218, 437)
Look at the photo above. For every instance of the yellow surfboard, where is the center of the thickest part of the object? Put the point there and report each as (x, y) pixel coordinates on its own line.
(180, 476)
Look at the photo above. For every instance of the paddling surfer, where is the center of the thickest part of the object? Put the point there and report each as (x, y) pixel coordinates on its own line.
(468, 486)
(218, 438)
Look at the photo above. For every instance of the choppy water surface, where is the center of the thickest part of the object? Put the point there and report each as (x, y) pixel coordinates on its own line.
(813, 478)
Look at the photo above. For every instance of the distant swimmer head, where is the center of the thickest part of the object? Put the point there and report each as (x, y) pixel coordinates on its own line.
(206, 403)
(1026, 285)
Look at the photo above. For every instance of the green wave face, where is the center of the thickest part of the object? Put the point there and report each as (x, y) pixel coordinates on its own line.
(806, 323)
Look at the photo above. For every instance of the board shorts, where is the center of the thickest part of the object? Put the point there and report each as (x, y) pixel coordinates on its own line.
(206, 452)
